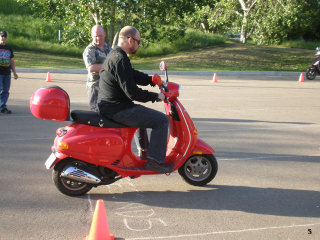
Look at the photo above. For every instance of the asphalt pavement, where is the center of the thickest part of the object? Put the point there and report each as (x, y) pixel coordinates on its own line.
(265, 131)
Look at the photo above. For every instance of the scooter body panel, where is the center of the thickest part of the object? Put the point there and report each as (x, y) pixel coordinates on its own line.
(107, 147)
(91, 144)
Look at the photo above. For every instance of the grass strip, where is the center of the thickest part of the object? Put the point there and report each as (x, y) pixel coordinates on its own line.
(227, 57)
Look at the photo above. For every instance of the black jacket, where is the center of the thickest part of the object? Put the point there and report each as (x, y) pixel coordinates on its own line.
(118, 84)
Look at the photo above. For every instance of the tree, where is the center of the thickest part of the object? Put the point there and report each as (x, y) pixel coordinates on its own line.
(279, 20)
(78, 16)
(246, 7)
(226, 15)
(264, 21)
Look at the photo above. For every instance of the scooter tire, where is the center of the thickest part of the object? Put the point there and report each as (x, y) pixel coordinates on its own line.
(311, 74)
(66, 186)
(199, 170)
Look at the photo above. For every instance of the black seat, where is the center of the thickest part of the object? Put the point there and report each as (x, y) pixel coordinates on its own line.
(94, 119)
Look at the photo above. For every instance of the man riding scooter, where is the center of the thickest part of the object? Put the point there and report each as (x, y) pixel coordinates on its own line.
(315, 67)
(118, 90)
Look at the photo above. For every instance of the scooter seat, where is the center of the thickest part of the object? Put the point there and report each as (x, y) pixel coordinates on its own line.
(94, 119)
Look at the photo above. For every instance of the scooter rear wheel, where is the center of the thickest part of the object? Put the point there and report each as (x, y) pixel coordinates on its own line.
(67, 186)
(311, 74)
(199, 170)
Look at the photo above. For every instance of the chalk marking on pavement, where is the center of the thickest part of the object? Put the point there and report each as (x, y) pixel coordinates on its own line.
(90, 203)
(226, 232)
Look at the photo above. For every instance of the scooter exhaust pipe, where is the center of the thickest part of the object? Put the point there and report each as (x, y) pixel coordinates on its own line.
(80, 175)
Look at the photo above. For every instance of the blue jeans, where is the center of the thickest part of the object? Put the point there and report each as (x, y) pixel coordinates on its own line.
(142, 117)
(5, 81)
(92, 92)
(141, 139)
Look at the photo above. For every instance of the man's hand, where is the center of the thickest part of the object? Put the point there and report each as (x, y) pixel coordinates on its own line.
(95, 68)
(161, 96)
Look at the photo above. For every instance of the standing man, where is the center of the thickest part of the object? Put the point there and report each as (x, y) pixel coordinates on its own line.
(118, 90)
(6, 64)
(93, 57)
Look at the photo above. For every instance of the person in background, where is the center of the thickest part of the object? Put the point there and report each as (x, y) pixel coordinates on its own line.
(6, 65)
(93, 57)
(118, 89)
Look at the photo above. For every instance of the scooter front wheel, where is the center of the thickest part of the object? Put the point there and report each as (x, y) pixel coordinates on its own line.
(67, 186)
(199, 170)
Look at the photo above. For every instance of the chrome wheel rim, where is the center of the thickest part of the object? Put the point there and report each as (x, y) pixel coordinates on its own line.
(197, 168)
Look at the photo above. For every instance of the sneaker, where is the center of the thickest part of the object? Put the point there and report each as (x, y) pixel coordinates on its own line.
(158, 167)
(6, 111)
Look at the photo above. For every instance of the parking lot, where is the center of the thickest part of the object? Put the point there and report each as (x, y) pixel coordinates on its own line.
(265, 131)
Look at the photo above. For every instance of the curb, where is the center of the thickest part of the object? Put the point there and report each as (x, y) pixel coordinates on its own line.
(193, 73)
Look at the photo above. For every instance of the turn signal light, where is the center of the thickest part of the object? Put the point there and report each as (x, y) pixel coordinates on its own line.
(62, 145)
(197, 152)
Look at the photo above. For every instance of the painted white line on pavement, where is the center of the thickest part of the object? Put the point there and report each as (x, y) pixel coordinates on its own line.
(268, 157)
(16, 116)
(24, 139)
(258, 128)
(252, 158)
(226, 232)
(186, 99)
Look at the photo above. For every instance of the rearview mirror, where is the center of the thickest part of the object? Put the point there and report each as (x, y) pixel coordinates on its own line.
(163, 66)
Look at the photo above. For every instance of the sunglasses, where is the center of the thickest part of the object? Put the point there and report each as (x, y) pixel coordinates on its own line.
(3, 36)
(138, 41)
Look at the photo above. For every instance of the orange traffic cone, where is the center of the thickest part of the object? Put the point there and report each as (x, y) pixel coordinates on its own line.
(99, 227)
(214, 79)
(301, 79)
(48, 77)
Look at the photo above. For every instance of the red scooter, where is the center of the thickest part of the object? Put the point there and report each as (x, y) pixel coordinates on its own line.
(90, 150)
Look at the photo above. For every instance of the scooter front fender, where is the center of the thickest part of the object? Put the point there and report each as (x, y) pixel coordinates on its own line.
(202, 147)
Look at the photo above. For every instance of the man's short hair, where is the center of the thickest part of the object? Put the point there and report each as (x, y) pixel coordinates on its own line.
(98, 27)
(128, 31)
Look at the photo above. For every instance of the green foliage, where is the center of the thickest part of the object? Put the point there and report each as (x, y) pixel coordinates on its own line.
(13, 7)
(29, 27)
(285, 20)
(147, 15)
(267, 22)
(75, 15)
(162, 24)
(192, 39)
(21, 43)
